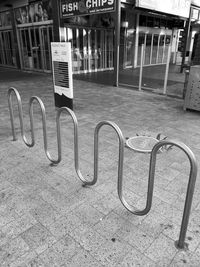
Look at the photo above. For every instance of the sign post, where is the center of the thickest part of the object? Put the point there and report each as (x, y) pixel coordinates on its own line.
(62, 74)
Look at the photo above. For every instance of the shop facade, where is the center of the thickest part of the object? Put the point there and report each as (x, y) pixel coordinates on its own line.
(26, 31)
(104, 34)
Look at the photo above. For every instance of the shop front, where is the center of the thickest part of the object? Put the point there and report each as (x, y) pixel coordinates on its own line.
(150, 48)
(89, 27)
(92, 31)
(7, 47)
(26, 31)
(106, 36)
(34, 27)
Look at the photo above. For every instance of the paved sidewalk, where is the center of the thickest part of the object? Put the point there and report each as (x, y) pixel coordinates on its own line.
(49, 219)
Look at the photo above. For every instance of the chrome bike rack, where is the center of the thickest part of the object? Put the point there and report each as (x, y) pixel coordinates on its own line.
(42, 108)
(156, 149)
(190, 188)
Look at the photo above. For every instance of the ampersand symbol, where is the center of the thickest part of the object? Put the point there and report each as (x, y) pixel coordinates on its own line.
(82, 7)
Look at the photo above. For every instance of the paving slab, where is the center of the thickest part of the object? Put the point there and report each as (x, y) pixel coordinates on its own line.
(48, 218)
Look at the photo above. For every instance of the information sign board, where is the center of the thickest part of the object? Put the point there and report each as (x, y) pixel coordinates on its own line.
(62, 73)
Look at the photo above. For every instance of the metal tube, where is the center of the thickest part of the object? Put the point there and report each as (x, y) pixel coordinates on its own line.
(19, 103)
(42, 108)
(190, 188)
(117, 42)
(141, 67)
(32, 143)
(167, 70)
(96, 145)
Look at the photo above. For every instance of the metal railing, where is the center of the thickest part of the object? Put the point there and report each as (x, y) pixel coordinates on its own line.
(163, 143)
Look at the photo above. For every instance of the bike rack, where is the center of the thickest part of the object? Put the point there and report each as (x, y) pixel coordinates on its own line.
(190, 188)
(180, 244)
(42, 108)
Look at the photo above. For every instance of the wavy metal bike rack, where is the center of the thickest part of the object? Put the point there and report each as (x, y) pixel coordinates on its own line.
(42, 108)
(193, 165)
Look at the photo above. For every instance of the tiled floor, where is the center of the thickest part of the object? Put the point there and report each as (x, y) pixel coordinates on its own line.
(49, 219)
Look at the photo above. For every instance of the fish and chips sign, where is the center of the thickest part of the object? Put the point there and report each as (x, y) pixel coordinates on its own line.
(71, 8)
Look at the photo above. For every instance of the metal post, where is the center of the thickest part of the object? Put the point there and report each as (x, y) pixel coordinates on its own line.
(180, 244)
(117, 42)
(167, 70)
(141, 67)
(42, 108)
(187, 34)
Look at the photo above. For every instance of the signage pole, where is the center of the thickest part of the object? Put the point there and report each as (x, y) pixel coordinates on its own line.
(56, 20)
(187, 33)
(141, 67)
(117, 42)
(167, 70)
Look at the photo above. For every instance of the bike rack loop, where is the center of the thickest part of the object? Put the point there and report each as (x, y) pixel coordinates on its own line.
(180, 244)
(193, 165)
(19, 103)
(42, 108)
(96, 152)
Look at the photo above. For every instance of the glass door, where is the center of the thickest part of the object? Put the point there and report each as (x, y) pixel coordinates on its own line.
(92, 49)
(25, 46)
(7, 50)
(35, 47)
(156, 43)
(46, 37)
(128, 48)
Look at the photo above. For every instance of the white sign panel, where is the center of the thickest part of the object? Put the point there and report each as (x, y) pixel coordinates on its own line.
(174, 7)
(196, 2)
(62, 69)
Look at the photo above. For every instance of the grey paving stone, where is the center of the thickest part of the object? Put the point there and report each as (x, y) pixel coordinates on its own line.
(111, 252)
(135, 237)
(126, 215)
(162, 250)
(106, 204)
(45, 214)
(12, 250)
(60, 253)
(88, 214)
(153, 224)
(57, 200)
(64, 225)
(25, 259)
(38, 238)
(36, 263)
(192, 238)
(83, 258)
(108, 225)
(136, 258)
(18, 226)
(184, 258)
(7, 215)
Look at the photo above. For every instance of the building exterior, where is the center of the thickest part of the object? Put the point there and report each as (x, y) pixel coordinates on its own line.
(104, 34)
(195, 32)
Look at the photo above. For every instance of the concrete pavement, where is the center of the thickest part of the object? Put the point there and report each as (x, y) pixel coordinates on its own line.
(49, 219)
